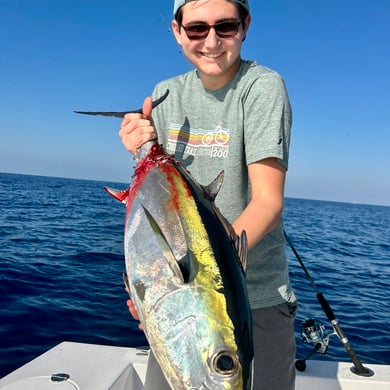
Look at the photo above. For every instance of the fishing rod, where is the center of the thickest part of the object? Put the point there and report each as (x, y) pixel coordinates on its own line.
(314, 331)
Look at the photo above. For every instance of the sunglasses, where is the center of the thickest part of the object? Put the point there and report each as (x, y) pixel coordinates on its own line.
(225, 29)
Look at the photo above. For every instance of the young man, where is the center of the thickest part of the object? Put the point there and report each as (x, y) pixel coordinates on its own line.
(232, 115)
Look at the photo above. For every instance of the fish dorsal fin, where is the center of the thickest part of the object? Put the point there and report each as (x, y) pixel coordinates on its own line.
(211, 191)
(120, 195)
(185, 267)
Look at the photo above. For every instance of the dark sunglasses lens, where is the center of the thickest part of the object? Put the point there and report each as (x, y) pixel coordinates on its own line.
(227, 29)
(197, 31)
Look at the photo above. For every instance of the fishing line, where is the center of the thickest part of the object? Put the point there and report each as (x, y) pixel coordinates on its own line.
(358, 368)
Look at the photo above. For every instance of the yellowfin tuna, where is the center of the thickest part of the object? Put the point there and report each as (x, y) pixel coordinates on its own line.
(185, 274)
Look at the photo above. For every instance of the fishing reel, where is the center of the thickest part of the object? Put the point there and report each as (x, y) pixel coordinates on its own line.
(313, 332)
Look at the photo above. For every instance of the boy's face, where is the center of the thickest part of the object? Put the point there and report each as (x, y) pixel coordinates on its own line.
(217, 58)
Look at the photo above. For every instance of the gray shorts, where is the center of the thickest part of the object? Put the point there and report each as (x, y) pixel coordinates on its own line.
(274, 344)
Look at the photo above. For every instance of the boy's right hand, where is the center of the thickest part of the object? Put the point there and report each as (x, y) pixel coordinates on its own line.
(137, 129)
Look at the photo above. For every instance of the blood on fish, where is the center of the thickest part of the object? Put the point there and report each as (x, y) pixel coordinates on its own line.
(157, 157)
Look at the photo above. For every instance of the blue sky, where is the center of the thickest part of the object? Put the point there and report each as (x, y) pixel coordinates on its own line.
(57, 56)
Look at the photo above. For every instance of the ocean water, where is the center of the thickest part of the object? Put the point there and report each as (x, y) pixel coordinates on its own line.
(61, 260)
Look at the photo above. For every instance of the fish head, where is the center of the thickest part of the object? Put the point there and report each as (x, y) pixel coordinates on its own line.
(197, 355)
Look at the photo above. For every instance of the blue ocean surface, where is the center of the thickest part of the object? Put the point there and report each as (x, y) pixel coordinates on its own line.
(61, 260)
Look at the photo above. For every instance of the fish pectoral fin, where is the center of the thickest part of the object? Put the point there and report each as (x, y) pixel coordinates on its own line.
(120, 195)
(121, 114)
(180, 267)
(211, 191)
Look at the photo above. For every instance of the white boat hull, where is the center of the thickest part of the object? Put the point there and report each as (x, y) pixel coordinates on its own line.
(97, 367)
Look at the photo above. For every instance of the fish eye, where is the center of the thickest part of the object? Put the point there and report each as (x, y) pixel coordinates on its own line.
(225, 363)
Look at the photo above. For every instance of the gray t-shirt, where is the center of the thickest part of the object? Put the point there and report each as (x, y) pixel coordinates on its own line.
(247, 120)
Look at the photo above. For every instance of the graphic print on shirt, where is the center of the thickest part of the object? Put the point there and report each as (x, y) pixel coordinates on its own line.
(199, 142)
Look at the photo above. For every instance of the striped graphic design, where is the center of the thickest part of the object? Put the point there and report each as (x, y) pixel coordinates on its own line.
(199, 142)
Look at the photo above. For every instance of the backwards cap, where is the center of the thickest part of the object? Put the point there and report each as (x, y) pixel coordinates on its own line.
(179, 3)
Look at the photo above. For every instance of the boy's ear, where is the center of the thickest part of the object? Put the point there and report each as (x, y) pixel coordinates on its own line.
(176, 31)
(246, 28)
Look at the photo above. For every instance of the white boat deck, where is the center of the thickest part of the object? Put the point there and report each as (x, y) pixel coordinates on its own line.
(97, 367)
